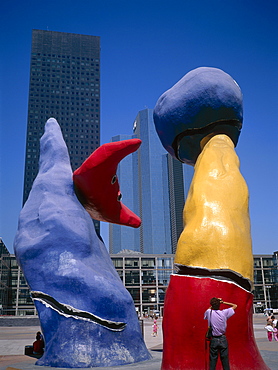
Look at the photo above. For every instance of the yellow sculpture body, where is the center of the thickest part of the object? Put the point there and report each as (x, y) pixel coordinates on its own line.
(216, 216)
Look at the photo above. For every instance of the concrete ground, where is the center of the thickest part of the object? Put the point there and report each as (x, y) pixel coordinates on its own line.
(14, 339)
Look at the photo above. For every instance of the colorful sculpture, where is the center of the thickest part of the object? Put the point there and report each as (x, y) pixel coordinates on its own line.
(102, 198)
(199, 121)
(87, 317)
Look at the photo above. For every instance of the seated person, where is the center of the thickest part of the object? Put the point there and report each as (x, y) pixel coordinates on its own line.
(38, 345)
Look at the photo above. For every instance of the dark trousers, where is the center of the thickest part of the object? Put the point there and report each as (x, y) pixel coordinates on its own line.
(219, 346)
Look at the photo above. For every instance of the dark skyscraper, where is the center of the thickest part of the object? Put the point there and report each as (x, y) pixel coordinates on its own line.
(64, 84)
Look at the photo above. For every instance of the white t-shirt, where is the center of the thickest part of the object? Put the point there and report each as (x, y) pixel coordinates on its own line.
(269, 328)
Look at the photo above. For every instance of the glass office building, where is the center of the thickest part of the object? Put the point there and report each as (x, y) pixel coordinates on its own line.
(152, 195)
(125, 237)
(178, 186)
(152, 184)
(64, 84)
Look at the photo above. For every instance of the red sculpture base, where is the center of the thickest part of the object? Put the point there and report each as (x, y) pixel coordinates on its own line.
(184, 327)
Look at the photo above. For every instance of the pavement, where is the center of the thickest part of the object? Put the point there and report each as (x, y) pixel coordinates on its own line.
(13, 340)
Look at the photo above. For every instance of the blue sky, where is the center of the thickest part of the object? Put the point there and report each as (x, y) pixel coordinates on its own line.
(146, 47)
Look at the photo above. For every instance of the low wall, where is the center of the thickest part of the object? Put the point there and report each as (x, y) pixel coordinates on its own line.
(19, 321)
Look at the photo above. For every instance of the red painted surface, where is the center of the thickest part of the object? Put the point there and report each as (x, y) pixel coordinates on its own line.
(98, 188)
(184, 327)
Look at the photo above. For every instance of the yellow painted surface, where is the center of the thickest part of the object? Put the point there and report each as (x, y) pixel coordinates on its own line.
(216, 216)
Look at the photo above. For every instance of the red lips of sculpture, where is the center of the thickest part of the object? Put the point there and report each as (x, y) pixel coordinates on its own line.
(97, 187)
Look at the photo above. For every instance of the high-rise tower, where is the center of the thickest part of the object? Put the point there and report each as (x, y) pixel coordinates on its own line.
(64, 84)
(153, 187)
(126, 237)
(152, 184)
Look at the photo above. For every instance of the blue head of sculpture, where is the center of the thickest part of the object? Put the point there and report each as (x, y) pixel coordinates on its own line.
(204, 103)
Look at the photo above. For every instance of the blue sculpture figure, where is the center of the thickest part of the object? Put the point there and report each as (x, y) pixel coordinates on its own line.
(87, 317)
(184, 115)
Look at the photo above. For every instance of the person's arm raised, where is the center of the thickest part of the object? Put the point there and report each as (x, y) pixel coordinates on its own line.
(233, 305)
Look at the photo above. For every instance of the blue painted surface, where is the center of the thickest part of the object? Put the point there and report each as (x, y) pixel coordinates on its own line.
(61, 255)
(202, 97)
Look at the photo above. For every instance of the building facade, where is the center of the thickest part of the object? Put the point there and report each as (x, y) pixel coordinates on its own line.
(145, 276)
(4, 276)
(15, 296)
(266, 281)
(64, 84)
(152, 184)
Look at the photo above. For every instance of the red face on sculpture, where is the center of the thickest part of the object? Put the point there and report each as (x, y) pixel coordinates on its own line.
(97, 187)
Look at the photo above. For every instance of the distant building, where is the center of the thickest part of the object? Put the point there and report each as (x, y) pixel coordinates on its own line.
(265, 281)
(64, 84)
(15, 296)
(153, 194)
(145, 276)
(3, 248)
(152, 184)
(4, 277)
(125, 237)
(178, 186)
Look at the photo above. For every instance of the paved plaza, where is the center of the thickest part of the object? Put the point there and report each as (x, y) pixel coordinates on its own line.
(13, 340)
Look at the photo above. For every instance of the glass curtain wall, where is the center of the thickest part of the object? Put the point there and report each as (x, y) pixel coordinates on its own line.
(146, 278)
